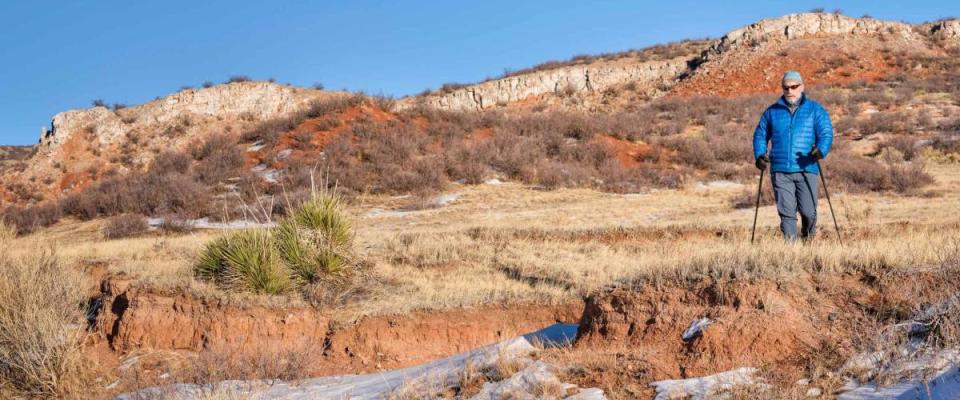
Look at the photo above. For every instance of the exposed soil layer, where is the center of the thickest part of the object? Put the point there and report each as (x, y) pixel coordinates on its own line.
(131, 319)
(787, 328)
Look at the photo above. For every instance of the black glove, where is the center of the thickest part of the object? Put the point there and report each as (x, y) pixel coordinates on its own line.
(762, 162)
(815, 154)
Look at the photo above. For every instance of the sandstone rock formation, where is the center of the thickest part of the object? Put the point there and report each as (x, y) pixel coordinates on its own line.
(654, 75)
(594, 77)
(248, 100)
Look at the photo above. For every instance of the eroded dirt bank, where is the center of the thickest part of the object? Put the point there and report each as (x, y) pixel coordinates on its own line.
(132, 319)
(793, 328)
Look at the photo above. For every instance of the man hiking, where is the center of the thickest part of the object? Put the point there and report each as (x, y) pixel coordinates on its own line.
(800, 134)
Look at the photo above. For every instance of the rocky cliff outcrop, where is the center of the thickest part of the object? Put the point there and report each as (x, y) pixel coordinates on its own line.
(648, 75)
(593, 77)
(795, 26)
(947, 31)
(252, 101)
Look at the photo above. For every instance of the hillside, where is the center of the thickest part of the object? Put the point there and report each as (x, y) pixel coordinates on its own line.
(661, 117)
(825, 48)
(255, 236)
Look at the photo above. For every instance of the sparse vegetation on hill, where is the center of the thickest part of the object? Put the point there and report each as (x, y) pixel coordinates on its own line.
(667, 142)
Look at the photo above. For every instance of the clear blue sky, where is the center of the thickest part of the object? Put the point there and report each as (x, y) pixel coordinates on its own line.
(59, 55)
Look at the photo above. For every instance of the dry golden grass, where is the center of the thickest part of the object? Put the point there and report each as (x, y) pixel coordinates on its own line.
(41, 307)
(7, 233)
(512, 244)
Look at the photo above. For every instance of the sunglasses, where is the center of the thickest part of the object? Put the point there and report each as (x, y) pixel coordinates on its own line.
(792, 87)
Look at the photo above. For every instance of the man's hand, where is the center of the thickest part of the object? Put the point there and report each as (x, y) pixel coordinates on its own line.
(815, 154)
(762, 162)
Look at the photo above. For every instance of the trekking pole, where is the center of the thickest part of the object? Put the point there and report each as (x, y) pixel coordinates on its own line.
(757, 212)
(823, 178)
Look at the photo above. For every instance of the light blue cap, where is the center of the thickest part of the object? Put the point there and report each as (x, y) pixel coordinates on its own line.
(792, 76)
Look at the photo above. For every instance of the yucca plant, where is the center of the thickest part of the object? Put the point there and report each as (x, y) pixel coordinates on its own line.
(244, 260)
(315, 239)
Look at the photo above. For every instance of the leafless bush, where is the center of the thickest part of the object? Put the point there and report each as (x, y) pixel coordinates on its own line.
(905, 145)
(747, 198)
(896, 122)
(170, 161)
(126, 225)
(30, 218)
(692, 151)
(228, 362)
(238, 78)
(218, 158)
(858, 174)
(175, 224)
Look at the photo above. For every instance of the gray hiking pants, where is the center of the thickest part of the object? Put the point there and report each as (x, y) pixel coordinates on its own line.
(796, 191)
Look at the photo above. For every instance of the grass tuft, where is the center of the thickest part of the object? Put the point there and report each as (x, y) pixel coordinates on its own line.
(41, 319)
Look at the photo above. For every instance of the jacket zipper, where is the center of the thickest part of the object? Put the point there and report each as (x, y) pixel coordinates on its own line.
(790, 153)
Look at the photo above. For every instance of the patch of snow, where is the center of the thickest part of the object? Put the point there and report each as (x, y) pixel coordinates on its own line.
(588, 394)
(379, 212)
(870, 111)
(528, 383)
(493, 181)
(695, 329)
(284, 154)
(438, 374)
(917, 381)
(721, 184)
(129, 362)
(270, 175)
(703, 387)
(256, 146)
(259, 168)
(204, 223)
(445, 199)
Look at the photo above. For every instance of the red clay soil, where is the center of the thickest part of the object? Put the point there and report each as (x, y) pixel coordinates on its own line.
(319, 137)
(133, 319)
(628, 153)
(819, 60)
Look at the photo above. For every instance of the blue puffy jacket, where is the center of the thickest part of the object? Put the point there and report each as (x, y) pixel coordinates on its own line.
(793, 136)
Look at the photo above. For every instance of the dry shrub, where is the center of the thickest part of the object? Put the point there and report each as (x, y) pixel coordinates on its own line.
(219, 158)
(41, 327)
(171, 162)
(747, 198)
(691, 151)
(176, 225)
(254, 362)
(858, 174)
(126, 225)
(29, 219)
(903, 144)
